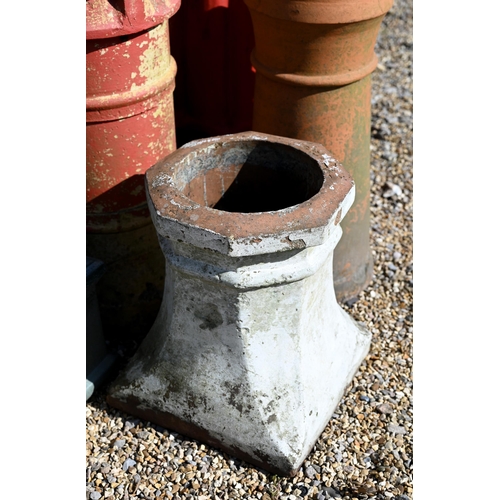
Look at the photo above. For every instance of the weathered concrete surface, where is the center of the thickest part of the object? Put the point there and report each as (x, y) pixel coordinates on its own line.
(250, 351)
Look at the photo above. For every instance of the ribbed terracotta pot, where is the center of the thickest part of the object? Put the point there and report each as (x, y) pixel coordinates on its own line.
(313, 61)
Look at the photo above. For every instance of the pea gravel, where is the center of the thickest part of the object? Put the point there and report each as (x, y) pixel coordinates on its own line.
(366, 451)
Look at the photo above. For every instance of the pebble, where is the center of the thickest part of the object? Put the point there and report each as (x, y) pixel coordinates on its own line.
(384, 408)
(310, 472)
(397, 429)
(332, 492)
(391, 189)
(119, 443)
(364, 452)
(128, 463)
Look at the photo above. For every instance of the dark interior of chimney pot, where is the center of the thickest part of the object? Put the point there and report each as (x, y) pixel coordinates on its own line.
(256, 186)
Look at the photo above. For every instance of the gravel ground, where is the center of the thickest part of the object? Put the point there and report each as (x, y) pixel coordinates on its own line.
(366, 450)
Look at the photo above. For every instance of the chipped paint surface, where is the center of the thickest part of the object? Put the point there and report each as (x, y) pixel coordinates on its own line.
(105, 20)
(250, 351)
(130, 81)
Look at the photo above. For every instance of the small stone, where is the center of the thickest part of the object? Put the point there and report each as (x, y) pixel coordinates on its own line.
(366, 490)
(128, 463)
(119, 443)
(129, 425)
(331, 492)
(310, 472)
(397, 429)
(390, 190)
(95, 495)
(384, 408)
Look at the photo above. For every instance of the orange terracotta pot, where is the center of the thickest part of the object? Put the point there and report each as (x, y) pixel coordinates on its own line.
(313, 61)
